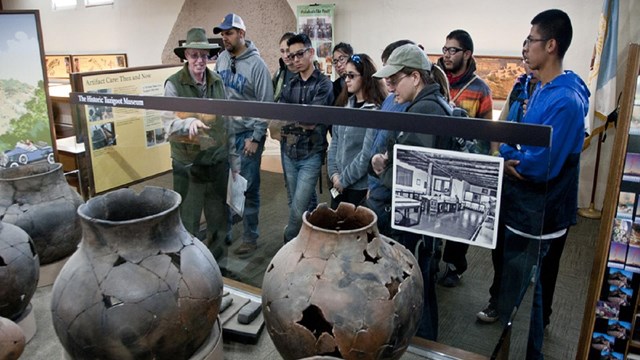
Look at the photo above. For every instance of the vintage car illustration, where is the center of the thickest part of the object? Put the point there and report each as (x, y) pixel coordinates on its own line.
(27, 152)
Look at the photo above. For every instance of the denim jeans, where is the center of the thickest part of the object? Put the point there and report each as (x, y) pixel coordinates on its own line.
(250, 170)
(301, 177)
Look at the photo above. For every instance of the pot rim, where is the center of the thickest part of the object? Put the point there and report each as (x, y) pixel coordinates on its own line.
(82, 209)
(53, 168)
(373, 222)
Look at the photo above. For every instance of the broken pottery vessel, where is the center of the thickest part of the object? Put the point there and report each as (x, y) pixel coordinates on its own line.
(37, 198)
(341, 289)
(139, 285)
(19, 271)
(12, 340)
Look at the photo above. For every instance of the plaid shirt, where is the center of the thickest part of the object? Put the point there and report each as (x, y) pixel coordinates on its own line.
(299, 143)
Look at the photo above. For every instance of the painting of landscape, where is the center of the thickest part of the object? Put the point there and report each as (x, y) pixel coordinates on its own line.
(25, 130)
(499, 72)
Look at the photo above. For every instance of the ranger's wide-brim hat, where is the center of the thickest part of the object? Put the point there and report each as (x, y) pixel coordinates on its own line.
(196, 39)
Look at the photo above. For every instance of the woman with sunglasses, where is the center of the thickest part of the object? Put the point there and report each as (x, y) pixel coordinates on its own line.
(425, 88)
(349, 152)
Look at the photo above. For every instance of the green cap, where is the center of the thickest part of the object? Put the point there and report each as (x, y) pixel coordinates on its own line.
(408, 55)
(196, 39)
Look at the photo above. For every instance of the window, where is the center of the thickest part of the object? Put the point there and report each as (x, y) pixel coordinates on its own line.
(405, 176)
(89, 3)
(63, 4)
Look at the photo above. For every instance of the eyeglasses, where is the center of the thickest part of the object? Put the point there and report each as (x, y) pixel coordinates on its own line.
(451, 50)
(394, 81)
(529, 40)
(339, 60)
(196, 56)
(233, 64)
(351, 76)
(298, 54)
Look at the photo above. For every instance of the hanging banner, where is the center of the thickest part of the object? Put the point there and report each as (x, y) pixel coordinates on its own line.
(316, 21)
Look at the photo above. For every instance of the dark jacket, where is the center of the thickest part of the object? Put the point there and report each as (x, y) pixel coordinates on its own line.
(428, 101)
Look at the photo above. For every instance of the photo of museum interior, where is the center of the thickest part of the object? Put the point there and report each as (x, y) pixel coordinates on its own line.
(283, 179)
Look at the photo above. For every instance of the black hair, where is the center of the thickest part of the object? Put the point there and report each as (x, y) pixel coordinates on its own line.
(394, 45)
(300, 38)
(463, 38)
(286, 36)
(555, 24)
(374, 89)
(344, 48)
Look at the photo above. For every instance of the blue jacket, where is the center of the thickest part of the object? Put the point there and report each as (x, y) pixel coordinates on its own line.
(548, 200)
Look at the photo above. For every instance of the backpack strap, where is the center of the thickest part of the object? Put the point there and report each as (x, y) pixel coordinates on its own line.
(464, 87)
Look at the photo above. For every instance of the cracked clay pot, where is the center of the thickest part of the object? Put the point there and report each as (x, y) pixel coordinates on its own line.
(19, 271)
(341, 289)
(37, 198)
(139, 286)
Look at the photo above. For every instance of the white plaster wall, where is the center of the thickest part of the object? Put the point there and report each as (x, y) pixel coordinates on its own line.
(139, 28)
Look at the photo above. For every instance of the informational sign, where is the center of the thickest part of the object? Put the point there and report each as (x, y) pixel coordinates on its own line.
(316, 21)
(126, 145)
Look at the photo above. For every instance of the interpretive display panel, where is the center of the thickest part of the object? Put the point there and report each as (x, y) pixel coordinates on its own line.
(125, 145)
(98, 62)
(58, 66)
(447, 194)
(316, 21)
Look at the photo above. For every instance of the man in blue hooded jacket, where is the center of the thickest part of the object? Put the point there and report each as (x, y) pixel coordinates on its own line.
(540, 189)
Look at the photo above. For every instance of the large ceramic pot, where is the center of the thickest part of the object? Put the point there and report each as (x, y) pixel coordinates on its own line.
(342, 289)
(37, 198)
(19, 271)
(12, 340)
(139, 285)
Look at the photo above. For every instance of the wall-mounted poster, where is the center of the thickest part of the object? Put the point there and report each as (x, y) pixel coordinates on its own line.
(58, 66)
(98, 62)
(317, 22)
(25, 126)
(499, 72)
(447, 194)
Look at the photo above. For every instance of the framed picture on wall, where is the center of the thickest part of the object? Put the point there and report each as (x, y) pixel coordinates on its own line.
(26, 134)
(98, 62)
(58, 66)
(499, 72)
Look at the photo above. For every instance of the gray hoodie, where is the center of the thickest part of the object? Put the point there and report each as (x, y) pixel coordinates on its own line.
(251, 81)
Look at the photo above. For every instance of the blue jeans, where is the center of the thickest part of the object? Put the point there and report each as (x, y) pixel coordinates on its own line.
(301, 177)
(250, 170)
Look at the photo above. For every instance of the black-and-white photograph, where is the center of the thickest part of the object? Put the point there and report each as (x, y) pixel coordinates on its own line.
(447, 194)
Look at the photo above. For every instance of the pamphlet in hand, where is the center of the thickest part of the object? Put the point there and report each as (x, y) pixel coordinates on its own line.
(235, 193)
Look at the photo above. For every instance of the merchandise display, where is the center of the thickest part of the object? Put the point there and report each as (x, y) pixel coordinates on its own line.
(611, 325)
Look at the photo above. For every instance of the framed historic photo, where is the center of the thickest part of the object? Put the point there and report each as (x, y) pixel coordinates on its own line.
(98, 62)
(447, 194)
(58, 66)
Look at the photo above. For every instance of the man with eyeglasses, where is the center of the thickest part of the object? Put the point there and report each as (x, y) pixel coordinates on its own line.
(341, 53)
(471, 93)
(201, 150)
(246, 77)
(540, 189)
(302, 145)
